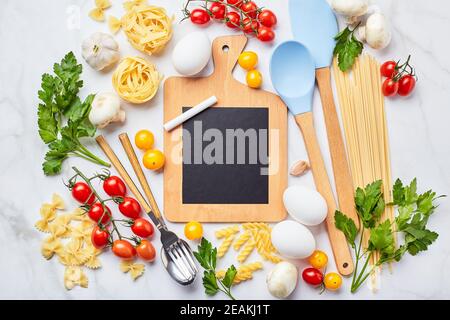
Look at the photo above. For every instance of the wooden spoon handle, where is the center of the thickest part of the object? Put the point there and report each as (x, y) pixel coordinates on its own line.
(342, 177)
(122, 172)
(339, 245)
(128, 147)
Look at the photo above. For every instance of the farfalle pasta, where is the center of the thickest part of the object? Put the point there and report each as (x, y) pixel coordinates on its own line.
(135, 269)
(98, 13)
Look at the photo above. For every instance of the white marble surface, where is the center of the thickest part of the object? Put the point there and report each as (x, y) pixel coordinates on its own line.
(35, 34)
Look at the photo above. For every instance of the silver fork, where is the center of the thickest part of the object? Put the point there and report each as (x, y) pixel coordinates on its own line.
(177, 250)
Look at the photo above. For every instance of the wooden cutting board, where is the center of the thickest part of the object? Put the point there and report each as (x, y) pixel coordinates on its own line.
(224, 192)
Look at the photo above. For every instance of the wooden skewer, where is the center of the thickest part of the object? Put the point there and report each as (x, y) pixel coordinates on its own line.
(122, 172)
(128, 147)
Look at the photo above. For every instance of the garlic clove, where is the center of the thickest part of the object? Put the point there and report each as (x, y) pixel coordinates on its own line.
(106, 109)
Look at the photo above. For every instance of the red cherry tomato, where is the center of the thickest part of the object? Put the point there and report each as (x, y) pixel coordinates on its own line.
(218, 10)
(99, 237)
(146, 251)
(312, 276)
(233, 20)
(250, 25)
(96, 213)
(200, 16)
(123, 249)
(267, 18)
(265, 34)
(142, 228)
(83, 193)
(388, 69)
(236, 3)
(390, 87)
(406, 85)
(130, 208)
(114, 187)
(250, 8)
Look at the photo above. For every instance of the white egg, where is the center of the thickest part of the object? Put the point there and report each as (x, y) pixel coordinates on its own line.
(192, 53)
(293, 240)
(305, 205)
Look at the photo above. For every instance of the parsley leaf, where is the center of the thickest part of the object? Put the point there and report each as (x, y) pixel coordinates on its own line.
(347, 226)
(59, 97)
(382, 239)
(347, 48)
(369, 203)
(206, 255)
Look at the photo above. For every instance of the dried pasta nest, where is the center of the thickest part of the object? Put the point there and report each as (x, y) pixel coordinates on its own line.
(136, 80)
(148, 28)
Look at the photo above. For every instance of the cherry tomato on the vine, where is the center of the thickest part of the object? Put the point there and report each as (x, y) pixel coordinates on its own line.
(123, 249)
(233, 20)
(406, 85)
(318, 259)
(248, 60)
(265, 34)
(312, 276)
(388, 69)
(114, 187)
(267, 18)
(146, 251)
(236, 3)
(218, 10)
(96, 212)
(390, 87)
(99, 237)
(250, 8)
(142, 228)
(332, 281)
(250, 25)
(83, 193)
(130, 208)
(199, 16)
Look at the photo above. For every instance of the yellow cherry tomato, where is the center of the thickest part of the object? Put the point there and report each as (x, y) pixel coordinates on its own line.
(254, 79)
(318, 259)
(248, 60)
(193, 230)
(332, 281)
(144, 140)
(153, 159)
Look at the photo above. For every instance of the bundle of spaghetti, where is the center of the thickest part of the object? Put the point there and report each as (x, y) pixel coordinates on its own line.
(225, 232)
(364, 120)
(225, 246)
(244, 272)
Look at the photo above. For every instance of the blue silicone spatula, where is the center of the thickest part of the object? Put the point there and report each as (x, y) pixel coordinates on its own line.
(292, 71)
(314, 24)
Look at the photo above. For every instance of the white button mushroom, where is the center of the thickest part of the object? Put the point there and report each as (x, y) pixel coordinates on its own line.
(376, 33)
(351, 9)
(100, 51)
(282, 280)
(106, 109)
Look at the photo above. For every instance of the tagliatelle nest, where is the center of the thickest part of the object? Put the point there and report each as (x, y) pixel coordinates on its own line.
(136, 80)
(148, 28)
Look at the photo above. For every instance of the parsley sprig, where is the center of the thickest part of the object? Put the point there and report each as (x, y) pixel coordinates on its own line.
(207, 257)
(414, 211)
(347, 48)
(60, 101)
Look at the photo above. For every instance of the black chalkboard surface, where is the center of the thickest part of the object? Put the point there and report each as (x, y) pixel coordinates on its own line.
(225, 152)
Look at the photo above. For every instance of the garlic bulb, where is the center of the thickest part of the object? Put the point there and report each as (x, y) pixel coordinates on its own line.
(106, 109)
(100, 50)
(376, 33)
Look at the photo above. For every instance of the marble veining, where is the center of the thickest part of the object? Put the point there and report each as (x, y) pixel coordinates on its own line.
(35, 34)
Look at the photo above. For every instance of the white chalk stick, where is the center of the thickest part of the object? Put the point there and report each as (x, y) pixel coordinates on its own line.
(190, 113)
